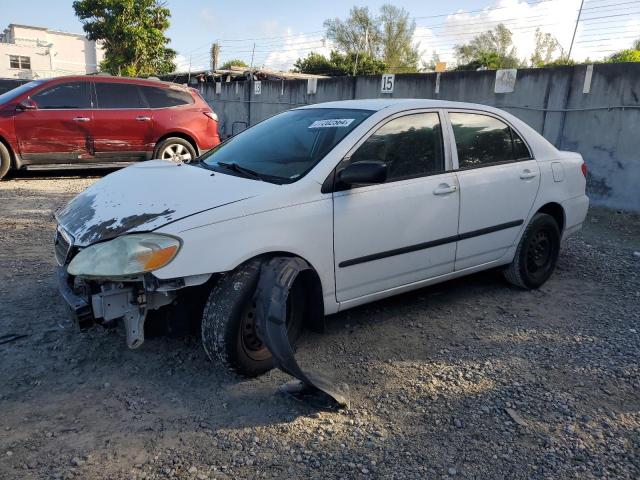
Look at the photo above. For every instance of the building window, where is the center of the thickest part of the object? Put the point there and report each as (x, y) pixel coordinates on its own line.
(23, 63)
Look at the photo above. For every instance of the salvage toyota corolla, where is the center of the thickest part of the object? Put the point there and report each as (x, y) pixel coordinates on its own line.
(370, 197)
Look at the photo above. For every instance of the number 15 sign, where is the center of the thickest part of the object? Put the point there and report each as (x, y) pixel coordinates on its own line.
(388, 79)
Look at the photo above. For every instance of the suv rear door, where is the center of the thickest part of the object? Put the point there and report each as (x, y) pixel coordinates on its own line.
(498, 180)
(123, 125)
(59, 130)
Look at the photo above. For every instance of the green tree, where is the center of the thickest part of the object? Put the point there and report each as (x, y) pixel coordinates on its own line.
(315, 64)
(132, 33)
(546, 47)
(339, 64)
(492, 50)
(398, 51)
(236, 62)
(358, 33)
(628, 55)
(625, 56)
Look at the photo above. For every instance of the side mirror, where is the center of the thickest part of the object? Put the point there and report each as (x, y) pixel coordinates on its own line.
(26, 104)
(364, 172)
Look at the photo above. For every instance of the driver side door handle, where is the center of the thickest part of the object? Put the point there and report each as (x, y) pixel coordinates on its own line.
(445, 189)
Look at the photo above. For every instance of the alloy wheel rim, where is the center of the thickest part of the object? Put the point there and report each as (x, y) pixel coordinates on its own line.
(177, 153)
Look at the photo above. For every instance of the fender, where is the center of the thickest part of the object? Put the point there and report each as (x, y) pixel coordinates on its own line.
(277, 276)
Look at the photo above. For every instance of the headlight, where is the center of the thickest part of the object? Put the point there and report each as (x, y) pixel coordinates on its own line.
(127, 255)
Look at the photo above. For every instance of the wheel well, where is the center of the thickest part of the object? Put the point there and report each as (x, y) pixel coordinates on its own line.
(184, 136)
(556, 211)
(314, 301)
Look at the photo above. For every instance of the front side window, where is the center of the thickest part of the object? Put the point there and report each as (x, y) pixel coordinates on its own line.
(64, 96)
(117, 95)
(483, 140)
(158, 97)
(285, 147)
(410, 146)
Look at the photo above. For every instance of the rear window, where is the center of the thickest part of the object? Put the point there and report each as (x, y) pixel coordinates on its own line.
(117, 95)
(158, 97)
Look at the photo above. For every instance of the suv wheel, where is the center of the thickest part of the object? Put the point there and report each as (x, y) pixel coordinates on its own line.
(537, 253)
(5, 160)
(176, 150)
(228, 322)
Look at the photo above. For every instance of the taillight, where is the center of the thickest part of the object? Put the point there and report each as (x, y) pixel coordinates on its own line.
(583, 167)
(211, 115)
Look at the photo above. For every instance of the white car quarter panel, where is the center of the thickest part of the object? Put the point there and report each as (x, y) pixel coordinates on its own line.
(379, 220)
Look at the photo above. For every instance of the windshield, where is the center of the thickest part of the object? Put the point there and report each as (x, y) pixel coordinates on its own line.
(11, 94)
(285, 147)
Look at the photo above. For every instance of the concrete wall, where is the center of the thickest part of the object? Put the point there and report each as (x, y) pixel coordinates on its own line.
(550, 100)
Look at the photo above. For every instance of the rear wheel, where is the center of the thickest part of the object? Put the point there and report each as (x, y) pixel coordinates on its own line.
(5, 160)
(229, 325)
(537, 253)
(175, 149)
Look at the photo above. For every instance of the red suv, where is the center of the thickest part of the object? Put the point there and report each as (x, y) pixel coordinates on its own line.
(83, 121)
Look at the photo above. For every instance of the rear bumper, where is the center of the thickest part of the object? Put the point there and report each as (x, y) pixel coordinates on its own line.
(575, 211)
(79, 307)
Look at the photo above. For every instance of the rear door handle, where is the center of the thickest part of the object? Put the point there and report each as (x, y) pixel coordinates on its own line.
(81, 119)
(527, 174)
(445, 189)
(143, 119)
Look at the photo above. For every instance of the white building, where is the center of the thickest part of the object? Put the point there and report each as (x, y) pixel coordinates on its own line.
(36, 52)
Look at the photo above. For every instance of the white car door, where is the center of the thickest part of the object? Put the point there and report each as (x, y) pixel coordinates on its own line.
(404, 230)
(498, 180)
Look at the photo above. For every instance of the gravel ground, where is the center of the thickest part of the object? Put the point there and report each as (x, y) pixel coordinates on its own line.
(467, 379)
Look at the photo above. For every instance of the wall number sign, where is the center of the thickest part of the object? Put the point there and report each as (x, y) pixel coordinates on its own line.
(257, 87)
(388, 79)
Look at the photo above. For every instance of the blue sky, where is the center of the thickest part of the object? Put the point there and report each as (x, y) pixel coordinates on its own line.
(286, 29)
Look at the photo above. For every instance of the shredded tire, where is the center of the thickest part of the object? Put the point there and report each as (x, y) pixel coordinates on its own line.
(516, 272)
(221, 321)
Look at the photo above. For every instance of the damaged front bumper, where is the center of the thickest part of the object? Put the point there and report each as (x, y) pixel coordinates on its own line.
(79, 307)
(109, 301)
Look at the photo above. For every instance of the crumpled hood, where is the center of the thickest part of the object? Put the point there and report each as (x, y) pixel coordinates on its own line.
(146, 196)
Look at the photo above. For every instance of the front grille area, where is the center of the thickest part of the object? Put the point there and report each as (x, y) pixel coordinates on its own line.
(62, 247)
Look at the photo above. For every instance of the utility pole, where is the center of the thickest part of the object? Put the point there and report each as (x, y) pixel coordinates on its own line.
(189, 76)
(575, 29)
(215, 55)
(252, 54)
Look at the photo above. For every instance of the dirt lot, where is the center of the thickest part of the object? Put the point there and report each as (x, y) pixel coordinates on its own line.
(468, 379)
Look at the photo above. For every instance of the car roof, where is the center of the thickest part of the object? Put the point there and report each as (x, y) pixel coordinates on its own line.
(113, 79)
(377, 104)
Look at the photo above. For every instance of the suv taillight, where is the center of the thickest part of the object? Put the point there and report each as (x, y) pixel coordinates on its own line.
(583, 167)
(211, 115)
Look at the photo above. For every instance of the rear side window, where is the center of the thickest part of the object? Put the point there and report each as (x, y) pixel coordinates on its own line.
(63, 96)
(158, 97)
(411, 146)
(483, 140)
(117, 95)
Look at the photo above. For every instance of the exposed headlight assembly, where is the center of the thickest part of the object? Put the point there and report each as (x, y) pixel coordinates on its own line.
(125, 256)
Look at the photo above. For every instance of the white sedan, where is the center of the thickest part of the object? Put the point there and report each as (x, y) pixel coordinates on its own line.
(367, 198)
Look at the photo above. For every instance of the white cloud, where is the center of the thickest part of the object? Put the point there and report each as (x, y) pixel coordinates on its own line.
(283, 54)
